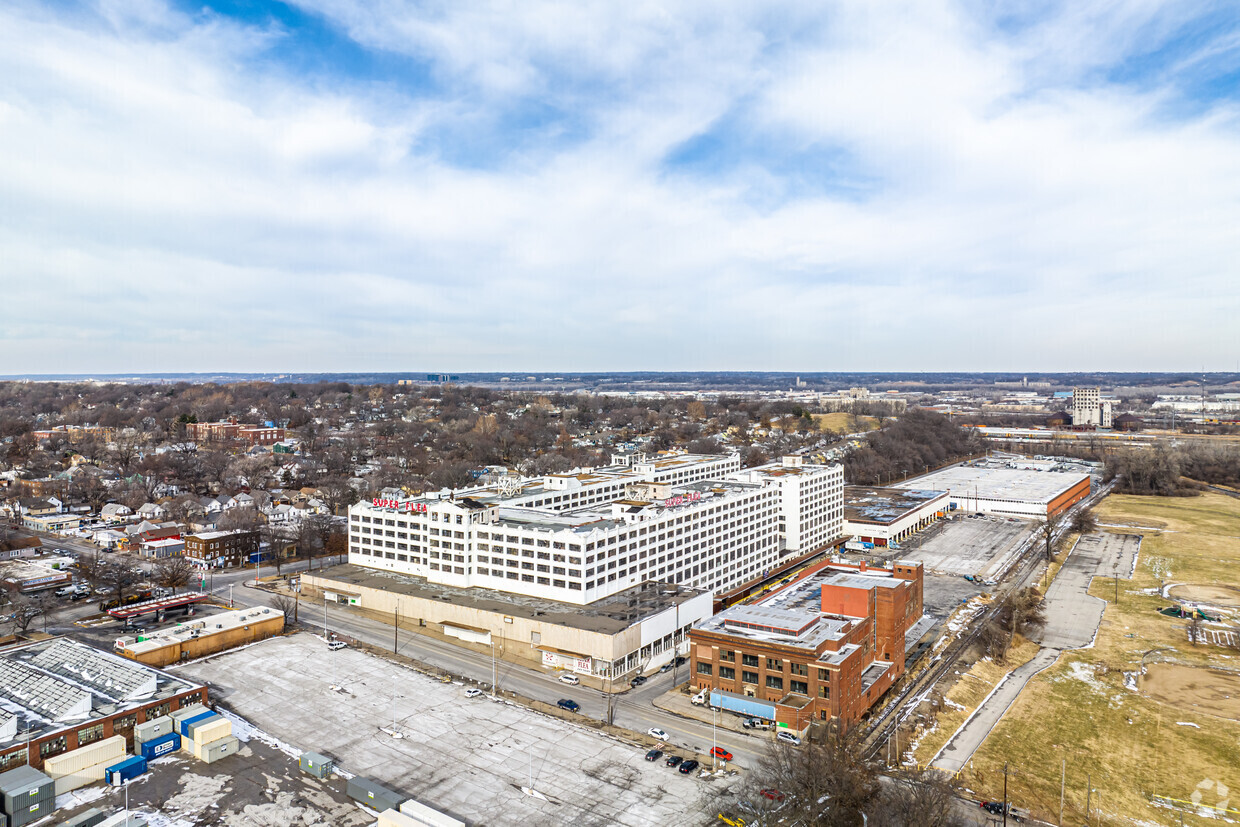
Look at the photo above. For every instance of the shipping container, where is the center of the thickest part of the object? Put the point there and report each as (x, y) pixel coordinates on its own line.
(109, 750)
(126, 770)
(89, 818)
(429, 815)
(208, 731)
(31, 813)
(395, 818)
(24, 786)
(742, 704)
(214, 751)
(83, 777)
(184, 723)
(150, 730)
(373, 795)
(163, 745)
(191, 711)
(320, 766)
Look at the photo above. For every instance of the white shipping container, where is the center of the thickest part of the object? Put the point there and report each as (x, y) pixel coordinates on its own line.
(216, 750)
(395, 818)
(188, 712)
(213, 731)
(89, 775)
(109, 749)
(423, 815)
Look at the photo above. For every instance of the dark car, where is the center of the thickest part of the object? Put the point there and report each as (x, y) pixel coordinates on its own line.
(673, 760)
(565, 703)
(638, 681)
(688, 766)
(654, 755)
(681, 661)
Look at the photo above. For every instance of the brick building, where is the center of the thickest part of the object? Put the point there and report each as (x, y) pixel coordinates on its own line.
(221, 549)
(231, 429)
(826, 646)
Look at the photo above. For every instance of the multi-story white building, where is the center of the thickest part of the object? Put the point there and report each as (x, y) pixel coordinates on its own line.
(579, 538)
(1089, 408)
(811, 501)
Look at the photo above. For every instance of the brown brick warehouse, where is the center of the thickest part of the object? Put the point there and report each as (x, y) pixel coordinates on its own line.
(825, 646)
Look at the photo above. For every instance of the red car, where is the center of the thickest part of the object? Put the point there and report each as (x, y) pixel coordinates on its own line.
(721, 753)
(773, 795)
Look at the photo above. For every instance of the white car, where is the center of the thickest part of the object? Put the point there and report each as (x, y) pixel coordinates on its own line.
(571, 680)
(788, 737)
(336, 644)
(655, 732)
(472, 692)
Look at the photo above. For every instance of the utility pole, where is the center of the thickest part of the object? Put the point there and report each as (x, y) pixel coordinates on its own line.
(1063, 777)
(324, 615)
(1005, 804)
(396, 627)
(1089, 793)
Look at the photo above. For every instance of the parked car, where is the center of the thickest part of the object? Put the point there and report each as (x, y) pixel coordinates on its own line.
(336, 644)
(667, 667)
(755, 723)
(788, 738)
(681, 660)
(654, 755)
(64, 591)
(637, 681)
(673, 760)
(721, 753)
(473, 692)
(565, 703)
(996, 808)
(655, 732)
(570, 679)
(772, 795)
(689, 766)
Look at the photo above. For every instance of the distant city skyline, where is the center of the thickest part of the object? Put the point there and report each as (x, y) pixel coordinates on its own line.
(344, 186)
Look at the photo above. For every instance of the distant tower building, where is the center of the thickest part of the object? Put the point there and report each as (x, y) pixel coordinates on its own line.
(1089, 408)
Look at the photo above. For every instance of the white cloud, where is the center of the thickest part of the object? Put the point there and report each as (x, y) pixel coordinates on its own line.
(176, 201)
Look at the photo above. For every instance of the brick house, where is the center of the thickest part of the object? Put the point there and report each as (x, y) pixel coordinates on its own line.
(221, 549)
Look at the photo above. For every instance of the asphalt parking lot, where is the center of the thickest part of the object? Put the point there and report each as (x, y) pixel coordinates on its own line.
(980, 547)
(469, 757)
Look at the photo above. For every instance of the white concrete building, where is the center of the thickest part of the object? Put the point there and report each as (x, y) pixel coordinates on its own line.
(581, 537)
(1089, 408)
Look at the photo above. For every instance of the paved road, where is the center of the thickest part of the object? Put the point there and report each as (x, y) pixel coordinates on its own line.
(1072, 618)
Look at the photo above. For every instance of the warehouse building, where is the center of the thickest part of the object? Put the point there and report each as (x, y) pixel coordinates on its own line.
(826, 646)
(1010, 492)
(29, 576)
(199, 638)
(632, 630)
(886, 516)
(58, 696)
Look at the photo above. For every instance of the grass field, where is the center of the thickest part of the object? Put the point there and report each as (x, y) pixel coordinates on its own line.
(1087, 711)
(841, 423)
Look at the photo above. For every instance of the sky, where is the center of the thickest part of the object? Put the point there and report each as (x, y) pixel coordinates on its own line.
(380, 185)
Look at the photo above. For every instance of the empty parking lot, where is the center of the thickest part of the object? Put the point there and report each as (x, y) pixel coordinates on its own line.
(468, 757)
(978, 546)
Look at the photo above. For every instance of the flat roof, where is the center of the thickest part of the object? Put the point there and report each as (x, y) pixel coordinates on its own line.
(884, 505)
(213, 625)
(60, 683)
(611, 615)
(1011, 484)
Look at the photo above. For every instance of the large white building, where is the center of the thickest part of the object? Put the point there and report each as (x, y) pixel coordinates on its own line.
(1089, 408)
(692, 520)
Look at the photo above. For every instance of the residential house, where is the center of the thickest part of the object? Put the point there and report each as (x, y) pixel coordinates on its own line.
(151, 511)
(115, 513)
(38, 507)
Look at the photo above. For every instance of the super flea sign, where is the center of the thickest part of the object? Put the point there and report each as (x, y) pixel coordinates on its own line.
(412, 508)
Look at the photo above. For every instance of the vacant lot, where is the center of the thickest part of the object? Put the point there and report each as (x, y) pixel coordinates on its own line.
(844, 423)
(1132, 739)
(467, 756)
(979, 547)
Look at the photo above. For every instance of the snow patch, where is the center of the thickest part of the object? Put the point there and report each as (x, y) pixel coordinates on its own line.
(1187, 723)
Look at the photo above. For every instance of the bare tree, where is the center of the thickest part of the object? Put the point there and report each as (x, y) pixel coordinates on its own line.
(827, 780)
(1047, 530)
(1019, 614)
(286, 604)
(24, 610)
(1084, 521)
(916, 798)
(120, 574)
(174, 572)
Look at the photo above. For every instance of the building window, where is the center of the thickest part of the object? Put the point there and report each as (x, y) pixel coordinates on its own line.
(163, 709)
(774, 682)
(13, 759)
(53, 747)
(704, 668)
(800, 687)
(824, 690)
(749, 677)
(90, 734)
(727, 656)
(774, 665)
(798, 669)
(749, 660)
(727, 673)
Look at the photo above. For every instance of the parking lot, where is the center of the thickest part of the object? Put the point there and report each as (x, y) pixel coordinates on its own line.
(977, 546)
(469, 757)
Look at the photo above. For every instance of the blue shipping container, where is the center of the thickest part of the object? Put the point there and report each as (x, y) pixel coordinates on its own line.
(163, 745)
(118, 774)
(745, 705)
(184, 725)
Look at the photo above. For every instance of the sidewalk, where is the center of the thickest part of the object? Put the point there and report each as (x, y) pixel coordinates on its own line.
(677, 703)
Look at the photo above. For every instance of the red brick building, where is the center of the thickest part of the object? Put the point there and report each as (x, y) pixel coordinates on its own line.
(231, 429)
(221, 549)
(825, 646)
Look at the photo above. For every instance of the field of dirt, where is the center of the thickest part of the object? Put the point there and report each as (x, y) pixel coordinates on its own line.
(1226, 596)
(1213, 691)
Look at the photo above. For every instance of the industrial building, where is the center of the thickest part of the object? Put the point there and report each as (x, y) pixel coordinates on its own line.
(632, 630)
(59, 696)
(29, 576)
(199, 638)
(826, 646)
(887, 516)
(1011, 492)
(696, 521)
(1089, 409)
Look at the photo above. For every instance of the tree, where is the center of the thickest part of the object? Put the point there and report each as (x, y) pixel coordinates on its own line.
(1047, 530)
(827, 780)
(120, 574)
(1020, 613)
(174, 572)
(24, 609)
(916, 798)
(287, 605)
(1084, 521)
(313, 535)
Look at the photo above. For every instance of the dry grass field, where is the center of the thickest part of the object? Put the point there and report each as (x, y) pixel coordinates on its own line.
(841, 423)
(1173, 733)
